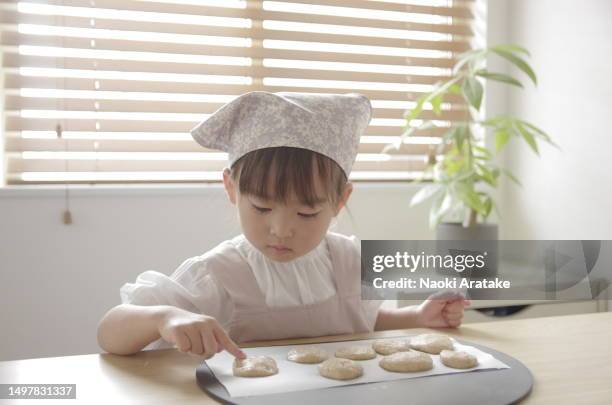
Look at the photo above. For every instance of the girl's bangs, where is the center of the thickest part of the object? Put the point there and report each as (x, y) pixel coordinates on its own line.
(281, 172)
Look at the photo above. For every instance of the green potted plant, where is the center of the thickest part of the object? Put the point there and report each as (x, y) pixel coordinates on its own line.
(462, 167)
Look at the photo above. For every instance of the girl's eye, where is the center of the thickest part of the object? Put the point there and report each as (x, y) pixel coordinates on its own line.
(308, 215)
(260, 209)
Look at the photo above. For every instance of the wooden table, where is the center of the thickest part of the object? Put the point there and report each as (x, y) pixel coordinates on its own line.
(569, 356)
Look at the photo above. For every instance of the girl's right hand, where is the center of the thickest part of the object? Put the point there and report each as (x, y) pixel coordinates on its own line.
(197, 334)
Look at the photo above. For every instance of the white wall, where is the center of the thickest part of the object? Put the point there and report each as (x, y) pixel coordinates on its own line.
(566, 194)
(57, 281)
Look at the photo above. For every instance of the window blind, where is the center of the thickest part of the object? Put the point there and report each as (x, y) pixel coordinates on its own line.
(107, 90)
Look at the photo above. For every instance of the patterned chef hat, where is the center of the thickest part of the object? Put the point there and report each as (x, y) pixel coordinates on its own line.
(330, 124)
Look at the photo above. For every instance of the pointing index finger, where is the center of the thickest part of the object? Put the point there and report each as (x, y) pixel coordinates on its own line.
(228, 343)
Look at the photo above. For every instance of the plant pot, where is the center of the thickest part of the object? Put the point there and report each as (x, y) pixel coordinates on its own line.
(456, 231)
(455, 240)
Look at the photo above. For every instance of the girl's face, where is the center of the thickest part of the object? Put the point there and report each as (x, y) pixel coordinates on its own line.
(283, 232)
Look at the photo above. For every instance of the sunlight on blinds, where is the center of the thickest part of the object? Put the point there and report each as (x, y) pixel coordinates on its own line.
(123, 81)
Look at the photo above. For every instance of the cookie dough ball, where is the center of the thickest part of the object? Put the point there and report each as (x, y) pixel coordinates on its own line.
(453, 359)
(256, 366)
(390, 346)
(406, 362)
(307, 355)
(340, 369)
(356, 352)
(431, 343)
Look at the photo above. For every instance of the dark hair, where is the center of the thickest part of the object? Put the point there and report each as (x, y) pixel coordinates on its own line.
(294, 172)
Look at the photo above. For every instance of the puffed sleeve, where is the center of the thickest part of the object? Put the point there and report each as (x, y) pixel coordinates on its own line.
(370, 306)
(192, 287)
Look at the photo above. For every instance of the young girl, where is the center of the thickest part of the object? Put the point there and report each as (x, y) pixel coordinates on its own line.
(286, 276)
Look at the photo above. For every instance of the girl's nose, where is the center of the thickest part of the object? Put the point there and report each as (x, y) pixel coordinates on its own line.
(281, 228)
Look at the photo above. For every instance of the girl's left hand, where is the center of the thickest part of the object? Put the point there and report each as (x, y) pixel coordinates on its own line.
(442, 310)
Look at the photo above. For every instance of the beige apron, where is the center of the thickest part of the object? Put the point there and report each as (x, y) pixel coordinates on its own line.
(252, 319)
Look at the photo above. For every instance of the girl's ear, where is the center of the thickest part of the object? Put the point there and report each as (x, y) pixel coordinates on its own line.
(348, 189)
(229, 185)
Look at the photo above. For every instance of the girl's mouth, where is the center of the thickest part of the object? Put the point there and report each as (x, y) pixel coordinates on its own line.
(279, 248)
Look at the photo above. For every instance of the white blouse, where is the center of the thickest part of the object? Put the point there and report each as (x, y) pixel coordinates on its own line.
(193, 287)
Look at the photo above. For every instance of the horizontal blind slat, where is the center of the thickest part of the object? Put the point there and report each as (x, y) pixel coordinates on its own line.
(43, 124)
(185, 177)
(55, 165)
(261, 53)
(128, 9)
(193, 9)
(17, 144)
(14, 81)
(15, 103)
(14, 61)
(292, 54)
(462, 12)
(14, 17)
(228, 70)
(194, 108)
(456, 27)
(16, 38)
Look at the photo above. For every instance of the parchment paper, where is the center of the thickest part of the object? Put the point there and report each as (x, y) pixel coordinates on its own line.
(297, 377)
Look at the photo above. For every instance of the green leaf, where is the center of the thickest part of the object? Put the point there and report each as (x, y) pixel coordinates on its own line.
(471, 199)
(460, 135)
(499, 77)
(488, 205)
(439, 90)
(534, 129)
(501, 139)
(426, 125)
(511, 176)
(472, 89)
(447, 202)
(449, 134)
(539, 132)
(482, 150)
(468, 57)
(439, 208)
(518, 62)
(452, 166)
(466, 177)
(418, 108)
(487, 175)
(425, 193)
(511, 48)
(455, 89)
(457, 134)
(529, 138)
(495, 121)
(390, 146)
(408, 132)
(412, 114)
(436, 103)
(444, 87)
(413, 130)
(433, 212)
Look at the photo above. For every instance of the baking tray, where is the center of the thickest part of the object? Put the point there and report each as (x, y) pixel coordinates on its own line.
(502, 386)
